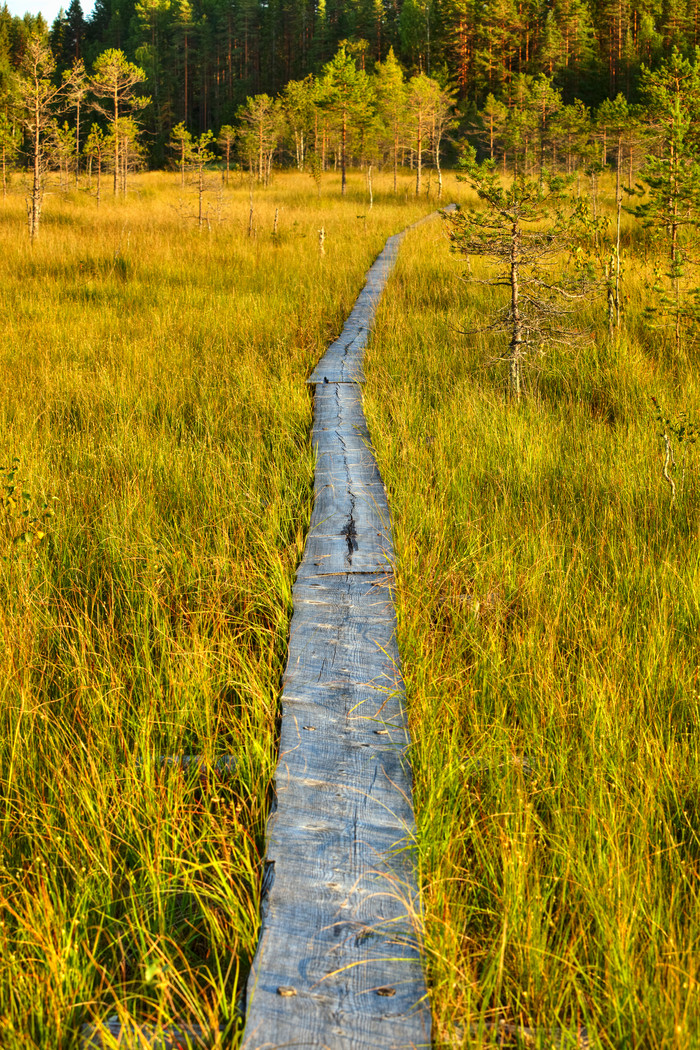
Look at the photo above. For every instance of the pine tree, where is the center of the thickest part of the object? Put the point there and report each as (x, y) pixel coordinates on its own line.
(525, 228)
(571, 130)
(37, 97)
(420, 101)
(348, 97)
(76, 29)
(390, 88)
(260, 118)
(617, 119)
(225, 142)
(94, 150)
(62, 150)
(115, 80)
(492, 123)
(299, 107)
(672, 94)
(77, 88)
(152, 18)
(181, 143)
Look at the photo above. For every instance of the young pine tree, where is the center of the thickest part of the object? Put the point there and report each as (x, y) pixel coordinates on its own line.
(391, 101)
(349, 98)
(526, 229)
(115, 80)
(673, 176)
(37, 98)
(181, 144)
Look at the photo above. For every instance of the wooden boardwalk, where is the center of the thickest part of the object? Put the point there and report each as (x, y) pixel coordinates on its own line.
(338, 964)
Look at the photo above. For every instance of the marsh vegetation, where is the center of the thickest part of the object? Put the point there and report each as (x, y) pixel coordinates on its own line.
(155, 414)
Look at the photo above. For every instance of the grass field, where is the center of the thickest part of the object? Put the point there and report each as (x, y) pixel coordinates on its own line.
(548, 597)
(154, 435)
(153, 410)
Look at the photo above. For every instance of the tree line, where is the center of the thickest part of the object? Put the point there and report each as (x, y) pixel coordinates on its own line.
(203, 58)
(341, 116)
(94, 122)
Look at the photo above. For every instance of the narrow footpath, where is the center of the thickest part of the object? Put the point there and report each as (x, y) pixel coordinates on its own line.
(338, 965)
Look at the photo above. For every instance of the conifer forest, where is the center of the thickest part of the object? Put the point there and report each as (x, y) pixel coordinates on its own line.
(267, 70)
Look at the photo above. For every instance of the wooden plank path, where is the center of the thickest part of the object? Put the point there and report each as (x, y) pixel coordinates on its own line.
(338, 964)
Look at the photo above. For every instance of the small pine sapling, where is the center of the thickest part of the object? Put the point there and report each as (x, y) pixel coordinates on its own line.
(527, 229)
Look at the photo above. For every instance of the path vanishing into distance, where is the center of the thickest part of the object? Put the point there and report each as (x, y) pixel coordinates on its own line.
(338, 963)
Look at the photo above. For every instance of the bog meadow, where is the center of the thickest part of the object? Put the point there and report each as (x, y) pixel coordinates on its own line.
(191, 199)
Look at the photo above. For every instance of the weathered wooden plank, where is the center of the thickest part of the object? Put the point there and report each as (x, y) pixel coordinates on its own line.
(338, 405)
(342, 361)
(351, 439)
(338, 964)
(363, 598)
(338, 912)
(350, 525)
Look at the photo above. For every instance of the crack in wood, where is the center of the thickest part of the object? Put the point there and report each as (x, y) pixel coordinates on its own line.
(349, 531)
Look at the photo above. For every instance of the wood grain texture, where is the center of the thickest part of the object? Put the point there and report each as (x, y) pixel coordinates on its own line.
(340, 903)
(338, 964)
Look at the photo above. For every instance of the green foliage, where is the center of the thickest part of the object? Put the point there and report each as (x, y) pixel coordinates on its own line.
(673, 178)
(528, 231)
(20, 523)
(348, 97)
(678, 434)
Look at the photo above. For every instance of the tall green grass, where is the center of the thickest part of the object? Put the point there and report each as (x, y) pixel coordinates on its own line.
(548, 597)
(152, 394)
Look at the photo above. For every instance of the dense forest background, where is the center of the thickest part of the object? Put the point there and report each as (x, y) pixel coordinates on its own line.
(203, 59)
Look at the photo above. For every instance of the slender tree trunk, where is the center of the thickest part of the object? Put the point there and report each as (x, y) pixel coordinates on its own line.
(35, 200)
(396, 152)
(419, 152)
(618, 201)
(437, 165)
(369, 186)
(516, 352)
(77, 143)
(116, 142)
(343, 178)
(200, 188)
(611, 300)
(250, 213)
(185, 85)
